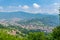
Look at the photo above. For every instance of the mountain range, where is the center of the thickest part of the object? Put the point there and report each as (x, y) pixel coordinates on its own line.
(29, 18)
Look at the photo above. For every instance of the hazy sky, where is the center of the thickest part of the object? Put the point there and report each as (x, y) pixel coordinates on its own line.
(34, 6)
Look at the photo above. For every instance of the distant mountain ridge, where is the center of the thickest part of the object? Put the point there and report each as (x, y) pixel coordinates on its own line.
(23, 15)
(47, 19)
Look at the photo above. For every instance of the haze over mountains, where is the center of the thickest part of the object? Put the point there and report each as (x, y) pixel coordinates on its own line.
(24, 17)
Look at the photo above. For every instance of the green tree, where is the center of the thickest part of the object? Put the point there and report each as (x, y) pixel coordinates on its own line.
(36, 36)
(56, 33)
(5, 36)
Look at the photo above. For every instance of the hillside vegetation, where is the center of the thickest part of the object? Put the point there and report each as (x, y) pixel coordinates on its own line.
(5, 34)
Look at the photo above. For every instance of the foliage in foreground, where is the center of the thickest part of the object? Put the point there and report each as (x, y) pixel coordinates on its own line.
(55, 35)
(5, 36)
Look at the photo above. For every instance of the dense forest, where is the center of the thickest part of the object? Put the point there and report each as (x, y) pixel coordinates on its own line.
(54, 35)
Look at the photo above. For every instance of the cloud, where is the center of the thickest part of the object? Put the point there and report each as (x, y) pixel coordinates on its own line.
(51, 9)
(35, 8)
(56, 4)
(35, 5)
(19, 6)
(1, 7)
(25, 7)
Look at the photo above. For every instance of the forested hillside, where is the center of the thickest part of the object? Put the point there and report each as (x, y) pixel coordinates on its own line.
(12, 34)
